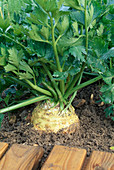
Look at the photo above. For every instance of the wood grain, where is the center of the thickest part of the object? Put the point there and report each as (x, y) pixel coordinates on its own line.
(3, 148)
(65, 158)
(21, 157)
(101, 161)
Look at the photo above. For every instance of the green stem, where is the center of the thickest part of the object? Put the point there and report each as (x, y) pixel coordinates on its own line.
(50, 89)
(68, 82)
(25, 103)
(73, 96)
(72, 84)
(81, 29)
(62, 85)
(46, 41)
(54, 46)
(84, 85)
(39, 89)
(58, 38)
(34, 79)
(55, 86)
(22, 83)
(86, 28)
(63, 65)
(91, 74)
(111, 61)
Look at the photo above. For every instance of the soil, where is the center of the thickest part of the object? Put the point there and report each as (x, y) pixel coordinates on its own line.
(96, 131)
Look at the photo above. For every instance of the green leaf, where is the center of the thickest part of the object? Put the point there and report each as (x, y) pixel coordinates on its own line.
(67, 41)
(75, 26)
(99, 46)
(112, 117)
(25, 76)
(63, 24)
(25, 67)
(108, 54)
(18, 30)
(15, 6)
(14, 59)
(73, 70)
(73, 4)
(57, 14)
(48, 5)
(78, 52)
(38, 17)
(10, 67)
(45, 32)
(93, 23)
(15, 56)
(34, 19)
(60, 75)
(2, 60)
(90, 14)
(108, 76)
(100, 30)
(110, 111)
(96, 64)
(7, 98)
(34, 33)
(3, 56)
(60, 2)
(1, 99)
(4, 23)
(25, 71)
(82, 2)
(78, 16)
(98, 10)
(108, 93)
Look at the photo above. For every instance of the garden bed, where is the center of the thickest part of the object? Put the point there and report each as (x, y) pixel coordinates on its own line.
(96, 131)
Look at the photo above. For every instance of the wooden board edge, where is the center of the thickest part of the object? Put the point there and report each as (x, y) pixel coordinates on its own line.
(4, 148)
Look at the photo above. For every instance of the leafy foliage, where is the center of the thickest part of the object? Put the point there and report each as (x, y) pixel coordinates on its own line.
(108, 92)
(46, 45)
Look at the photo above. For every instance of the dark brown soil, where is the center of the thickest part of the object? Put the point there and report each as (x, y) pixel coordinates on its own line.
(96, 131)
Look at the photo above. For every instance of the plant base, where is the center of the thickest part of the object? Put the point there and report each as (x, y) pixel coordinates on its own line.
(46, 117)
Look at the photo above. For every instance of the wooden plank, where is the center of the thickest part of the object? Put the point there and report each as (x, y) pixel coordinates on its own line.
(65, 158)
(21, 157)
(101, 161)
(3, 148)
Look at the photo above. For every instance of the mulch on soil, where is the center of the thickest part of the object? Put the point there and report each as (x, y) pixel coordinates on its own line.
(96, 131)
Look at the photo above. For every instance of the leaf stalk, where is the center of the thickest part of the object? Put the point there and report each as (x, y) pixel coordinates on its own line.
(25, 103)
(62, 85)
(39, 89)
(85, 84)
